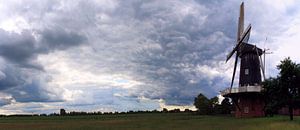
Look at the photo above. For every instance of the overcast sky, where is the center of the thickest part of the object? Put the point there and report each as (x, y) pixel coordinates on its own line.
(117, 55)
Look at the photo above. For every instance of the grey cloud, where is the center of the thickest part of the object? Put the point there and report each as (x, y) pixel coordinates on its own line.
(60, 39)
(182, 49)
(35, 91)
(27, 85)
(6, 100)
(11, 78)
(17, 48)
(23, 48)
(161, 44)
(20, 52)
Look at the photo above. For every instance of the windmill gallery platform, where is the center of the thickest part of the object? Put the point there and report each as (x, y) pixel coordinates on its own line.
(247, 97)
(247, 100)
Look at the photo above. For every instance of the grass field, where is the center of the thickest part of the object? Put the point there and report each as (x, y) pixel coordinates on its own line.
(148, 121)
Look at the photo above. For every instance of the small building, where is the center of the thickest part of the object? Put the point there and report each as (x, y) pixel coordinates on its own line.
(285, 111)
(62, 112)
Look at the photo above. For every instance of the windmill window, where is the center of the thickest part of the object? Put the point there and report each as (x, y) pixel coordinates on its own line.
(246, 71)
(246, 109)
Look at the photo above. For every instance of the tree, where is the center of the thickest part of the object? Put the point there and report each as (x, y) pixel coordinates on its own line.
(226, 106)
(165, 110)
(202, 104)
(271, 90)
(214, 101)
(285, 89)
(289, 77)
(213, 105)
(62, 112)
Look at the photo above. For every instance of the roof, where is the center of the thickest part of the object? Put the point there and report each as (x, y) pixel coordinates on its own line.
(249, 48)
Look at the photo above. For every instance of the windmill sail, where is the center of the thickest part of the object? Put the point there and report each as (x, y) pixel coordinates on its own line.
(241, 23)
(247, 35)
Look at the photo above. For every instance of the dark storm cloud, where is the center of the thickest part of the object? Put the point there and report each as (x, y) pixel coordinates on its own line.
(35, 91)
(20, 52)
(11, 77)
(185, 43)
(60, 39)
(5, 99)
(27, 85)
(164, 45)
(18, 48)
(23, 48)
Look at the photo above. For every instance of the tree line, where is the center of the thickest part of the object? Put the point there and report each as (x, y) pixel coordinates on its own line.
(63, 112)
(211, 106)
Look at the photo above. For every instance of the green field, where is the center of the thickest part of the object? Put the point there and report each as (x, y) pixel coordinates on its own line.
(148, 121)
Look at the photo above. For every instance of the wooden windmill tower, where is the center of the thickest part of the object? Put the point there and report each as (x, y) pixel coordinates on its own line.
(247, 96)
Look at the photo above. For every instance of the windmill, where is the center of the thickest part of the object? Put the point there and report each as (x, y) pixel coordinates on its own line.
(247, 97)
(250, 56)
